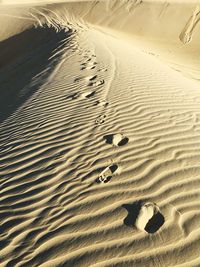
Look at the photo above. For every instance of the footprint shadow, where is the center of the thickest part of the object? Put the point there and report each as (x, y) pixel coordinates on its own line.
(133, 212)
(90, 94)
(108, 138)
(155, 223)
(113, 168)
(123, 141)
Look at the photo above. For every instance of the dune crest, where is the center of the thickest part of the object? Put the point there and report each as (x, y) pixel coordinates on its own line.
(186, 34)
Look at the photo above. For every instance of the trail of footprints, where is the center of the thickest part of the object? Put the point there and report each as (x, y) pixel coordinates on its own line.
(91, 81)
(145, 216)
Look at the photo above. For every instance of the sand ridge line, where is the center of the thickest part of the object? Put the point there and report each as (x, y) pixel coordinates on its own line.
(188, 30)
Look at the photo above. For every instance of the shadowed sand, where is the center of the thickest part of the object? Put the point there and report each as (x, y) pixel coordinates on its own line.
(24, 57)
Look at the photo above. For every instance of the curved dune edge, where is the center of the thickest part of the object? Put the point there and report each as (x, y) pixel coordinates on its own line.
(99, 157)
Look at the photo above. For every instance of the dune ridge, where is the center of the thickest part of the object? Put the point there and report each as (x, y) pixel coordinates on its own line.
(94, 127)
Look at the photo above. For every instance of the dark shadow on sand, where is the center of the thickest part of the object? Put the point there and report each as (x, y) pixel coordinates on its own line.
(22, 57)
(133, 212)
(155, 223)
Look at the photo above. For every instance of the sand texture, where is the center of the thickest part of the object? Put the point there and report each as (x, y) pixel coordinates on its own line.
(99, 133)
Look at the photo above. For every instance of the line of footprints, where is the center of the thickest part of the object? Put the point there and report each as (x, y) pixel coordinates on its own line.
(91, 82)
(144, 215)
(115, 140)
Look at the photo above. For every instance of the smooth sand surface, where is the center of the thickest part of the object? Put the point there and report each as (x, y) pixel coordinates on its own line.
(100, 133)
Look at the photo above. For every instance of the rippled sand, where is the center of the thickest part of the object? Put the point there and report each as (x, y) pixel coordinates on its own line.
(99, 133)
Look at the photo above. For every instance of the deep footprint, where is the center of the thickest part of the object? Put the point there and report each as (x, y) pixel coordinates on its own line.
(116, 139)
(149, 218)
(88, 94)
(106, 175)
(145, 216)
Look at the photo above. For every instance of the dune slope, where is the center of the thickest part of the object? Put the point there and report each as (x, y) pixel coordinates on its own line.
(97, 137)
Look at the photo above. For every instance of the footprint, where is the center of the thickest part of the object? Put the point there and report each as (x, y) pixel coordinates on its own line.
(116, 139)
(92, 78)
(100, 120)
(73, 96)
(88, 78)
(146, 216)
(88, 65)
(88, 68)
(149, 218)
(88, 94)
(98, 83)
(106, 175)
(103, 103)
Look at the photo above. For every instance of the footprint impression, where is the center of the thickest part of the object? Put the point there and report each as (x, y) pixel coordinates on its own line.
(116, 139)
(88, 65)
(88, 94)
(100, 120)
(102, 103)
(87, 78)
(97, 83)
(145, 216)
(91, 82)
(149, 218)
(106, 175)
(73, 96)
(77, 95)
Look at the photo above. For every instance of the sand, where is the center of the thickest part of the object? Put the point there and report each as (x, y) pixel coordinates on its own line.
(99, 133)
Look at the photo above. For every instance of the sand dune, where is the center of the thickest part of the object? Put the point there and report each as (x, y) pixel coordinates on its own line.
(99, 133)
